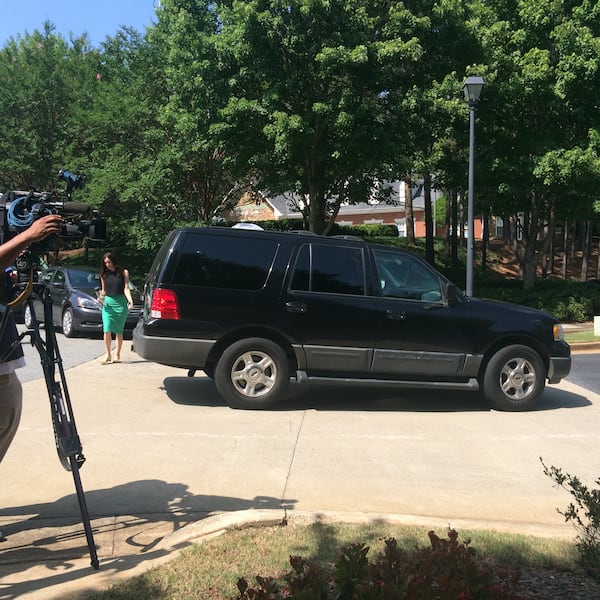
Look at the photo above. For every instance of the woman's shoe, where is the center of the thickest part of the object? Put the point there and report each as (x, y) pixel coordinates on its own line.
(117, 359)
(106, 360)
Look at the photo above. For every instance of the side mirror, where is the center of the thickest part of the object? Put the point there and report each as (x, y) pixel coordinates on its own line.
(451, 294)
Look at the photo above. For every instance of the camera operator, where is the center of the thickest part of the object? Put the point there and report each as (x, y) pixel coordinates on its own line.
(10, 386)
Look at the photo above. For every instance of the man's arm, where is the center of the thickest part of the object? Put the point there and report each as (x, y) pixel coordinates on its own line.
(38, 230)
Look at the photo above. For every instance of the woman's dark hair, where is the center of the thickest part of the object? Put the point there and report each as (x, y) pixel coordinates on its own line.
(115, 262)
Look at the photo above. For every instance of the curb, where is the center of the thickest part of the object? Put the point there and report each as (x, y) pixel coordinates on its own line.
(584, 347)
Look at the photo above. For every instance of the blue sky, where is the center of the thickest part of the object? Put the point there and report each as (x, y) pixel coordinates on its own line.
(98, 18)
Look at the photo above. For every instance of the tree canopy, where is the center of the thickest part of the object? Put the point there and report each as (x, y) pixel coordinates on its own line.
(317, 99)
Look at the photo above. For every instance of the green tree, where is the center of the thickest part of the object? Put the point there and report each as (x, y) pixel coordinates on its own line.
(198, 165)
(125, 143)
(40, 93)
(540, 57)
(308, 87)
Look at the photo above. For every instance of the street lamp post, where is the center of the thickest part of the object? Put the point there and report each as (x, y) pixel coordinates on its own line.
(472, 89)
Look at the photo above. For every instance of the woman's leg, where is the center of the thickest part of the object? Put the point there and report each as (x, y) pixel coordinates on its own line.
(119, 344)
(107, 345)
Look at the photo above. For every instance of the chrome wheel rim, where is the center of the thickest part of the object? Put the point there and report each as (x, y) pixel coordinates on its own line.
(67, 322)
(254, 374)
(518, 378)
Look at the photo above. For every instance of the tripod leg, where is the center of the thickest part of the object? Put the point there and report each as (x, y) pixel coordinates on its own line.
(68, 444)
(70, 453)
(87, 526)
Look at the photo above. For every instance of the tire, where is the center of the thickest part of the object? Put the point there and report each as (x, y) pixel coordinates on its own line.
(28, 317)
(68, 327)
(514, 379)
(252, 374)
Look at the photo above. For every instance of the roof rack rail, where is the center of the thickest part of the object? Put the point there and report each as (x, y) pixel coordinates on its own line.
(303, 232)
(356, 238)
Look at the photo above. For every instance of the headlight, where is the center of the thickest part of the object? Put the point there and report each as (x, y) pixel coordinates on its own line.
(88, 303)
(558, 332)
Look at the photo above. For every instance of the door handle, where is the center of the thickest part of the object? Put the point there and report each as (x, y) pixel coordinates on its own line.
(296, 307)
(395, 315)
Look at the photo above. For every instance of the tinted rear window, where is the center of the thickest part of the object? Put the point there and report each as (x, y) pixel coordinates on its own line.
(230, 262)
(329, 269)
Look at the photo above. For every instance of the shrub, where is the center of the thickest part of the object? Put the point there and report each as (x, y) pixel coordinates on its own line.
(584, 513)
(446, 569)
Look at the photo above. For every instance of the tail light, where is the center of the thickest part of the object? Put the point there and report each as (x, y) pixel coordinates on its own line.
(164, 305)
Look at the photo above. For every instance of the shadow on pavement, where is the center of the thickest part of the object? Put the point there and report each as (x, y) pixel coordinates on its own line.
(201, 391)
(49, 537)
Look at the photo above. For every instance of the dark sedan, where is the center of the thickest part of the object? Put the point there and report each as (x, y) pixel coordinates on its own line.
(74, 295)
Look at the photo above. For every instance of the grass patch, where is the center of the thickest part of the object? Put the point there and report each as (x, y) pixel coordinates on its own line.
(581, 336)
(210, 569)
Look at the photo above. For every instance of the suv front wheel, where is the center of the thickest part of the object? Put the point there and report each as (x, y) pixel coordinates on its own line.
(514, 378)
(252, 373)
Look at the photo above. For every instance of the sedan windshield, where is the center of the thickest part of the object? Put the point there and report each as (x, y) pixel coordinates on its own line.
(84, 279)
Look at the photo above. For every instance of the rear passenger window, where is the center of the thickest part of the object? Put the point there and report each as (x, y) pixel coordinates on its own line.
(329, 269)
(225, 262)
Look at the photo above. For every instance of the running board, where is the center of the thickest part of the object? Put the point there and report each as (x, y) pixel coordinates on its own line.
(472, 384)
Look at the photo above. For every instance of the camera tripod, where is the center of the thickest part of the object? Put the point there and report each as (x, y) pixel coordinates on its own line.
(68, 444)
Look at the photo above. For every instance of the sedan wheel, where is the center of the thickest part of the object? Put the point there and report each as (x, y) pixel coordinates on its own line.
(514, 378)
(68, 326)
(252, 373)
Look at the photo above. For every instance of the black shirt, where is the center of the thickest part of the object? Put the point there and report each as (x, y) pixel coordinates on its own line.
(114, 285)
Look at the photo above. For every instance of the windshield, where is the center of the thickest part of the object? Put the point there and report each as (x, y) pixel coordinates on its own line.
(84, 279)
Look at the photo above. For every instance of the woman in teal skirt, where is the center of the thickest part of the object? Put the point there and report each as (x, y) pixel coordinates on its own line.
(116, 300)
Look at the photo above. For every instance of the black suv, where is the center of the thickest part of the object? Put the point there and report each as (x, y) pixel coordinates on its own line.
(254, 309)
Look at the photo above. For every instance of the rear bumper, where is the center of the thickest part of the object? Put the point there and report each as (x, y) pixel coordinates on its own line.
(173, 352)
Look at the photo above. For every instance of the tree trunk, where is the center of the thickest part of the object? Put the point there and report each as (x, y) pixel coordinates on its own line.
(544, 258)
(587, 251)
(454, 228)
(536, 231)
(551, 256)
(528, 264)
(429, 235)
(485, 242)
(565, 252)
(408, 213)
(448, 225)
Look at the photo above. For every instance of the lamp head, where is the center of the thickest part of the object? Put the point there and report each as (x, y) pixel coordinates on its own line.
(472, 88)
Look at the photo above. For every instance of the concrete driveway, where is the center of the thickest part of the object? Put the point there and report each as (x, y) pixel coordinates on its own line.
(166, 458)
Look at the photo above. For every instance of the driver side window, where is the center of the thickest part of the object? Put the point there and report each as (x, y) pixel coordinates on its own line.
(402, 276)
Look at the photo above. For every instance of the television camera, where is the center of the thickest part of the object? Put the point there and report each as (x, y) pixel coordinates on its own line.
(19, 209)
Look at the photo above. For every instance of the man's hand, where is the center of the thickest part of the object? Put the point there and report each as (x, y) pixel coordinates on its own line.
(43, 227)
(38, 230)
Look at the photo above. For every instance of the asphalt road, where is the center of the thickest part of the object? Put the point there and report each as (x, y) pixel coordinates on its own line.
(585, 371)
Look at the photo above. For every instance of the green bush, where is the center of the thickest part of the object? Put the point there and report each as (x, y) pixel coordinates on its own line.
(584, 513)
(569, 301)
(445, 569)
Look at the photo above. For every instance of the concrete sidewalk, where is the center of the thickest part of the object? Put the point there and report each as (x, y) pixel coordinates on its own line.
(140, 520)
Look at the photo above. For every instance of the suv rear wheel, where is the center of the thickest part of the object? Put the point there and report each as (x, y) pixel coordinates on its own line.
(252, 373)
(514, 378)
